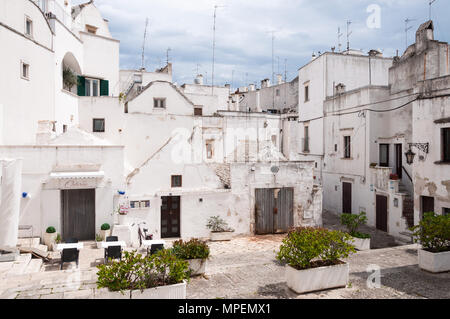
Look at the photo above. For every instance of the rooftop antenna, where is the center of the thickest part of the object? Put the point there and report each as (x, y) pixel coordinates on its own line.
(143, 46)
(348, 34)
(214, 46)
(407, 28)
(167, 55)
(232, 79)
(431, 4)
(273, 55)
(339, 39)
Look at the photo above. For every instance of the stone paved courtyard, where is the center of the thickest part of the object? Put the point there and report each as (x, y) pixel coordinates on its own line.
(246, 268)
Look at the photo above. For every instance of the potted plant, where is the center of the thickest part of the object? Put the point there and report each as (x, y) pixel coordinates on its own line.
(98, 240)
(373, 165)
(58, 240)
(159, 276)
(105, 231)
(123, 214)
(50, 237)
(433, 233)
(313, 259)
(195, 252)
(393, 177)
(70, 79)
(361, 241)
(220, 231)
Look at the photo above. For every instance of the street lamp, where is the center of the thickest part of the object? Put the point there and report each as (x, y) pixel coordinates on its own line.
(424, 147)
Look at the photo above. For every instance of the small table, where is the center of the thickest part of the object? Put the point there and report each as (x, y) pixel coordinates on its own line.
(149, 243)
(106, 244)
(69, 246)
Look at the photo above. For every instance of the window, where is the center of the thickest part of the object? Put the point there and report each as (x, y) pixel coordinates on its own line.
(306, 139)
(445, 211)
(135, 204)
(306, 93)
(347, 147)
(198, 111)
(24, 70)
(99, 125)
(28, 27)
(138, 78)
(159, 103)
(91, 29)
(176, 181)
(384, 155)
(64, 128)
(209, 149)
(92, 87)
(278, 92)
(446, 145)
(274, 140)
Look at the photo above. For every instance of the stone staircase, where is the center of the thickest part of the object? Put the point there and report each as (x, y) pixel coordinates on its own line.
(23, 265)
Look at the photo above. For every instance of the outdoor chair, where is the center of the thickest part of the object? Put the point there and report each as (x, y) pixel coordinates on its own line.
(113, 252)
(155, 248)
(71, 254)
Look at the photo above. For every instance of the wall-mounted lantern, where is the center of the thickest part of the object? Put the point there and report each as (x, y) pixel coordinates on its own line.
(424, 147)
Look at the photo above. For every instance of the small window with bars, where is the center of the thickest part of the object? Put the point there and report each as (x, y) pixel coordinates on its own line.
(176, 181)
(98, 125)
(159, 103)
(347, 147)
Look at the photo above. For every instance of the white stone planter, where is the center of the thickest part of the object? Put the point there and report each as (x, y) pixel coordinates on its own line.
(99, 244)
(434, 262)
(315, 279)
(361, 244)
(225, 236)
(197, 266)
(50, 239)
(177, 291)
(105, 233)
(123, 220)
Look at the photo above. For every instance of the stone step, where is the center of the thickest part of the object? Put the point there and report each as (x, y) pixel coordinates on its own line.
(20, 265)
(34, 266)
(29, 242)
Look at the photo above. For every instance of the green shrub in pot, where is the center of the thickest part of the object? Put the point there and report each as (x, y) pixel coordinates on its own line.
(105, 227)
(51, 230)
(433, 233)
(193, 249)
(353, 222)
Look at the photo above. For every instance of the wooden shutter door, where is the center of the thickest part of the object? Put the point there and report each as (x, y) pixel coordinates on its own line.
(81, 90)
(104, 88)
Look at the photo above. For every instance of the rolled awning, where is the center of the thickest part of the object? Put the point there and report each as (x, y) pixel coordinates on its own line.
(77, 175)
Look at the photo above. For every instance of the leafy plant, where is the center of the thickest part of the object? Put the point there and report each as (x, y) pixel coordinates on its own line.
(393, 177)
(135, 272)
(51, 230)
(98, 238)
(105, 227)
(58, 239)
(353, 222)
(309, 247)
(193, 249)
(70, 79)
(433, 232)
(217, 225)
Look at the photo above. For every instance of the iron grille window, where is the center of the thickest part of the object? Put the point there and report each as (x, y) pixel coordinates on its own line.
(159, 103)
(347, 147)
(176, 181)
(446, 145)
(99, 125)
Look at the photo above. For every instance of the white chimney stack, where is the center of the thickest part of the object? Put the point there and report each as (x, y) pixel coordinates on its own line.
(199, 79)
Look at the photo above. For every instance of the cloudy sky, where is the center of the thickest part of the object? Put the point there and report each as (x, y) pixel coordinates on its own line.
(244, 38)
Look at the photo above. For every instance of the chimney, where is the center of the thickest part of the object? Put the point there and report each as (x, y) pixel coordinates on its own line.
(279, 79)
(45, 132)
(199, 80)
(251, 87)
(228, 86)
(424, 34)
(265, 83)
(313, 56)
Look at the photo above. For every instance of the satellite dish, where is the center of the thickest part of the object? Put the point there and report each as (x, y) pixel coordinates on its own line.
(275, 169)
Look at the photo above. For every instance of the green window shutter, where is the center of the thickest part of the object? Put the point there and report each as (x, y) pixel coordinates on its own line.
(81, 86)
(104, 88)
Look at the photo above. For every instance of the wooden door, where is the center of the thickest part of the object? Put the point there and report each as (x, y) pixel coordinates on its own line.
(274, 209)
(78, 214)
(170, 216)
(347, 198)
(382, 213)
(399, 160)
(427, 205)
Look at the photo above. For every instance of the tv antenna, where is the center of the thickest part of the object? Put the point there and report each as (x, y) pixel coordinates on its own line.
(348, 34)
(407, 28)
(214, 46)
(339, 39)
(167, 55)
(143, 46)
(273, 54)
(431, 4)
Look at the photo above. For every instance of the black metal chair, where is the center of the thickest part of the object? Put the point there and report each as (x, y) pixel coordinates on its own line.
(70, 254)
(113, 252)
(155, 248)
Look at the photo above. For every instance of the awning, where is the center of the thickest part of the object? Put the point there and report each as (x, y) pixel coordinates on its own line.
(77, 175)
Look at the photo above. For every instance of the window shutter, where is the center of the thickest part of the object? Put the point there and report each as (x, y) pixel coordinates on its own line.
(104, 88)
(81, 86)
